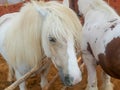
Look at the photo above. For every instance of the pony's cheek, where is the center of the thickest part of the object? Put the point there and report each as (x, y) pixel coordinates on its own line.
(53, 51)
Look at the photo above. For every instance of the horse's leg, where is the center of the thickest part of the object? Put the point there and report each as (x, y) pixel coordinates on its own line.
(22, 85)
(11, 74)
(44, 74)
(106, 84)
(90, 63)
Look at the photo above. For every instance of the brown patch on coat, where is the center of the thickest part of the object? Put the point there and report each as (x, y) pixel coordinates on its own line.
(89, 49)
(112, 26)
(110, 61)
(114, 21)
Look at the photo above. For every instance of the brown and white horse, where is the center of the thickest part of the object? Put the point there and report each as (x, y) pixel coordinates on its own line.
(100, 41)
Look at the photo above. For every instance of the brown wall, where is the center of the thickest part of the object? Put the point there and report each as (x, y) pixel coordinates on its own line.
(10, 8)
(115, 4)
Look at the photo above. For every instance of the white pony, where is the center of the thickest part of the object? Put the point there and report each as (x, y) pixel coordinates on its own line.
(100, 41)
(41, 29)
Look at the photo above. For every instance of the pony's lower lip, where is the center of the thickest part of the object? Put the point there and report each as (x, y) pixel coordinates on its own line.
(70, 86)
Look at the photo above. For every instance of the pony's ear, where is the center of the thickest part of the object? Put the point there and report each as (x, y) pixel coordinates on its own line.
(41, 10)
(66, 3)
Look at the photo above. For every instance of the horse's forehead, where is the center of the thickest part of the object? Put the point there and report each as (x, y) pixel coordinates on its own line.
(110, 61)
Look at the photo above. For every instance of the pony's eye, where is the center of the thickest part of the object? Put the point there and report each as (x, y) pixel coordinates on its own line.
(52, 39)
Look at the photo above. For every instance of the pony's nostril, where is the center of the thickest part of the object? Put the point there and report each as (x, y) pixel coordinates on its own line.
(68, 81)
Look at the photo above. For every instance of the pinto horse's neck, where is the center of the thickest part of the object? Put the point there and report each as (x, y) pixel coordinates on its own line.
(87, 5)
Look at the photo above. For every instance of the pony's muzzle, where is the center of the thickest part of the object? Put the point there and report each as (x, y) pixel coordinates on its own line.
(76, 80)
(68, 80)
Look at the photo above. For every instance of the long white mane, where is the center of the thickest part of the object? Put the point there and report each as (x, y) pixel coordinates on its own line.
(26, 29)
(62, 25)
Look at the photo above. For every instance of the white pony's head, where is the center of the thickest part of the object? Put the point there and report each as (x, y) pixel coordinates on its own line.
(59, 32)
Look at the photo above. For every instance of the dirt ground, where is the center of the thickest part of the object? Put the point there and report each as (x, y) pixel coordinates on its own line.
(33, 83)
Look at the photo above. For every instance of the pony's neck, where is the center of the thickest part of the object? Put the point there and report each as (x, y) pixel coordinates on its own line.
(87, 5)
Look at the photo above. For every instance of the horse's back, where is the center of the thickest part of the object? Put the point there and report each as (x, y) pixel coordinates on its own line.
(5, 22)
(7, 17)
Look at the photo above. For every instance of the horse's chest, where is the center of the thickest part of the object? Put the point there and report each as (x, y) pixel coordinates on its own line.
(98, 38)
(106, 49)
(110, 60)
(104, 44)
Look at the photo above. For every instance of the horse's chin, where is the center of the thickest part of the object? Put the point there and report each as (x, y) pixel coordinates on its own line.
(71, 86)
